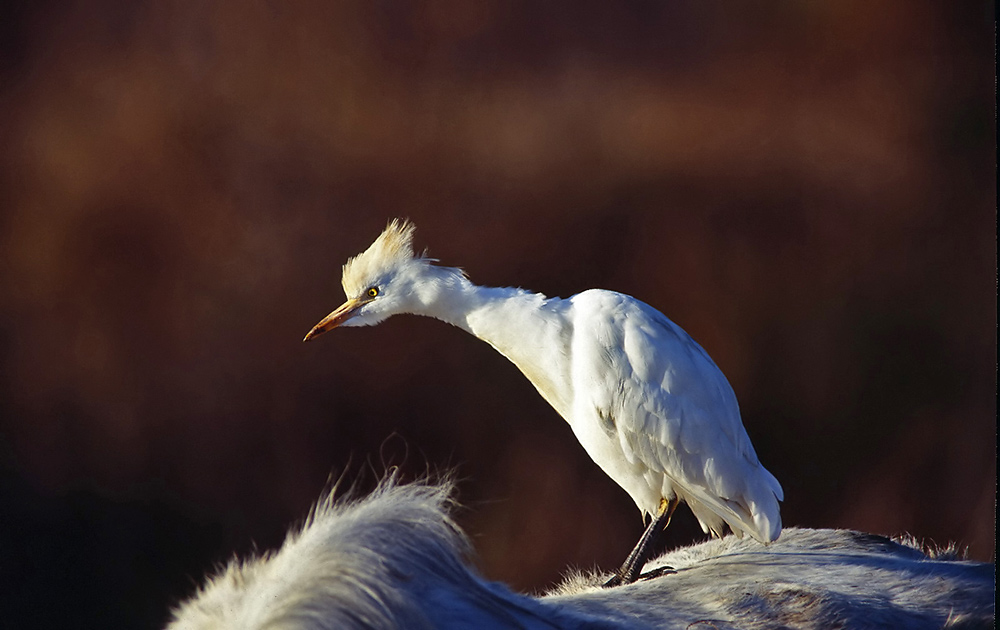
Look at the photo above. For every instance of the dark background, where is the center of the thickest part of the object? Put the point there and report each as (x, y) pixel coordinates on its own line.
(806, 187)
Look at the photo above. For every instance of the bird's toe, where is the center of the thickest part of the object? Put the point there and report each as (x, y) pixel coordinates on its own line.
(657, 572)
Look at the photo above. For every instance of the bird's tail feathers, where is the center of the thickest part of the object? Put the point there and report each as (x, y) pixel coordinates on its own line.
(760, 519)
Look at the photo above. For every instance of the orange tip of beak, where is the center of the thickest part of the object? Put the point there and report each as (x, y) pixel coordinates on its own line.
(334, 319)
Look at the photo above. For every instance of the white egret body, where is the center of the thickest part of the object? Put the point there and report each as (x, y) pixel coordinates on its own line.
(644, 399)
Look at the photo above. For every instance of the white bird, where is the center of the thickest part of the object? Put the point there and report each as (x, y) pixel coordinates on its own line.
(647, 403)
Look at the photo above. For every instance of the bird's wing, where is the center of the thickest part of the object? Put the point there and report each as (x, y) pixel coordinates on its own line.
(676, 414)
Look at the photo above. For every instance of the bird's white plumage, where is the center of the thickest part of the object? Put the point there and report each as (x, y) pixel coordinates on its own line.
(654, 411)
(644, 399)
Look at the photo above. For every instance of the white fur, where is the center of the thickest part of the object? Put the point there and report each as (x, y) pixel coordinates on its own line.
(396, 560)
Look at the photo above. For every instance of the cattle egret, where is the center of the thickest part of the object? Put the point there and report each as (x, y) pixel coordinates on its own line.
(644, 399)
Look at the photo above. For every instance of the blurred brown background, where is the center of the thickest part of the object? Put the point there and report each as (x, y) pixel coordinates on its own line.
(806, 187)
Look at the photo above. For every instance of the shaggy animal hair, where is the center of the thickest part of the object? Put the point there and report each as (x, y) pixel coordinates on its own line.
(396, 560)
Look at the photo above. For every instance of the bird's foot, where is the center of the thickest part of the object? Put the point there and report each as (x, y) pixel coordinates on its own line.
(619, 580)
(657, 572)
(637, 558)
(616, 580)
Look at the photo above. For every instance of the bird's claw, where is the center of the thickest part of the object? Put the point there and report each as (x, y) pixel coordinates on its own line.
(616, 580)
(657, 572)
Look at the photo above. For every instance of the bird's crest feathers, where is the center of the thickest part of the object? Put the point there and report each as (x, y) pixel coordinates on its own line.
(393, 248)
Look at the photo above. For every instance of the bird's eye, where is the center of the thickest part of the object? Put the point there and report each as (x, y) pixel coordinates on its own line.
(373, 292)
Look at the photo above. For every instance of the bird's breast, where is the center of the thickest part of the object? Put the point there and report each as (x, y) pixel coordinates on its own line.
(551, 384)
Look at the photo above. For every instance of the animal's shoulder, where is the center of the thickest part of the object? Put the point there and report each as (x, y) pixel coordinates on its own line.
(627, 322)
(599, 301)
(603, 308)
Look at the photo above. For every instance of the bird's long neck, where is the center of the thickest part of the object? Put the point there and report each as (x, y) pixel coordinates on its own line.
(527, 328)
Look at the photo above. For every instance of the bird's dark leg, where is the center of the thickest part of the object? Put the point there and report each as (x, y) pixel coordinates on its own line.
(629, 571)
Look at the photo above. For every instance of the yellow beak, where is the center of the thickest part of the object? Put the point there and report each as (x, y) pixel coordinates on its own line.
(336, 318)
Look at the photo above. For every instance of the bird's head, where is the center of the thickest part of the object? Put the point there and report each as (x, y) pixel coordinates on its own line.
(379, 282)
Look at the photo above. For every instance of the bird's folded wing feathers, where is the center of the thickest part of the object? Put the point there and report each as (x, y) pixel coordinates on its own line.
(707, 471)
(677, 414)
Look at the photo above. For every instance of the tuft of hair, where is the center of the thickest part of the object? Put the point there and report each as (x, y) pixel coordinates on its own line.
(392, 248)
(345, 568)
(392, 560)
(948, 551)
